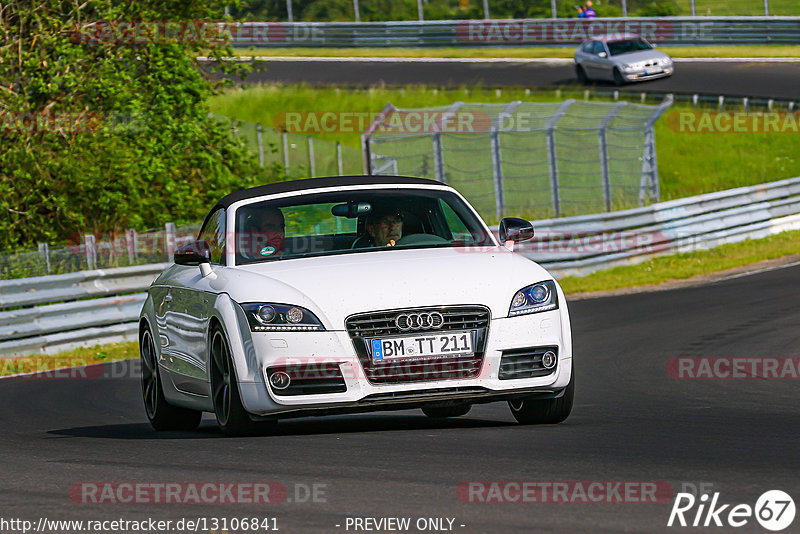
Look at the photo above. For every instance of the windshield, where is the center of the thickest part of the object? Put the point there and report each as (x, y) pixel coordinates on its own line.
(354, 221)
(627, 46)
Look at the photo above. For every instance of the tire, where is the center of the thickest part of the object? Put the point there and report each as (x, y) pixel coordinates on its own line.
(232, 418)
(544, 411)
(618, 79)
(581, 74)
(161, 414)
(447, 411)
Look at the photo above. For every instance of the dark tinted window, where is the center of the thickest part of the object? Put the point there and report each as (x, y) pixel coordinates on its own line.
(627, 46)
(597, 47)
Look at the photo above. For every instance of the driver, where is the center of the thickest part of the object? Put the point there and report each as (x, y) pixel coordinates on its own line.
(384, 227)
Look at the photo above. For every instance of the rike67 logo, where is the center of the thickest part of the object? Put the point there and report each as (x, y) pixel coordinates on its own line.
(774, 510)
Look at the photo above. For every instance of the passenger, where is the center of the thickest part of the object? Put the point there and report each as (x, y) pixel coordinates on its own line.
(267, 232)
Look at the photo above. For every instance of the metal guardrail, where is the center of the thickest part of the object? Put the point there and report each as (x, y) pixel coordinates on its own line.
(577, 246)
(464, 33)
(103, 306)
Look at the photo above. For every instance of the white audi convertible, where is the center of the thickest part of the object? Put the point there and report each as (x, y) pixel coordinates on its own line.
(352, 294)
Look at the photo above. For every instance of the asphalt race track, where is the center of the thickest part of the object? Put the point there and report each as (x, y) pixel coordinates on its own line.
(631, 422)
(743, 78)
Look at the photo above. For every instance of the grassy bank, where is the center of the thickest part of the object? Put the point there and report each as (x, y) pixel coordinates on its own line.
(49, 364)
(682, 266)
(689, 163)
(777, 51)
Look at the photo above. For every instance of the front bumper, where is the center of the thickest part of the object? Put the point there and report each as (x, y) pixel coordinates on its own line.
(647, 74)
(275, 349)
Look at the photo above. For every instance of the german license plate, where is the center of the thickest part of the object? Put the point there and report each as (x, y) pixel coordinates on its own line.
(421, 346)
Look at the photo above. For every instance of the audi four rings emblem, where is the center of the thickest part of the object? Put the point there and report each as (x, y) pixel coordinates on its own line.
(419, 321)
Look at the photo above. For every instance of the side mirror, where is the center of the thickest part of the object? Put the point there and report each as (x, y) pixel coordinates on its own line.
(514, 230)
(193, 253)
(602, 55)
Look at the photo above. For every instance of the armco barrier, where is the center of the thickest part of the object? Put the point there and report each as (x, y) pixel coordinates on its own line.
(461, 33)
(54, 313)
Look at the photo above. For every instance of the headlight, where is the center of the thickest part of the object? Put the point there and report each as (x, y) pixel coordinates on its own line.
(533, 299)
(268, 317)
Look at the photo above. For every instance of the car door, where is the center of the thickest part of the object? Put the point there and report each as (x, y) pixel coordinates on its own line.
(591, 64)
(605, 68)
(188, 313)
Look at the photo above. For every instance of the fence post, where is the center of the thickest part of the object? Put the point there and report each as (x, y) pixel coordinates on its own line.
(497, 173)
(552, 161)
(497, 161)
(649, 160)
(339, 165)
(553, 10)
(260, 144)
(603, 145)
(91, 251)
(44, 250)
(366, 137)
(356, 11)
(130, 241)
(290, 15)
(285, 152)
(169, 239)
(438, 159)
(766, 8)
(694, 14)
(486, 10)
(438, 156)
(311, 163)
(625, 8)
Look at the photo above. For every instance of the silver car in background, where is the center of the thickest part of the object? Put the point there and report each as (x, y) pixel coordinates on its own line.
(620, 60)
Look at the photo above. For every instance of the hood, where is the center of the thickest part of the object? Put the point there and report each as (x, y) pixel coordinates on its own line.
(636, 57)
(335, 287)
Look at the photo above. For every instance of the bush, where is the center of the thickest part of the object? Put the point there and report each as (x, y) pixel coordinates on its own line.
(99, 135)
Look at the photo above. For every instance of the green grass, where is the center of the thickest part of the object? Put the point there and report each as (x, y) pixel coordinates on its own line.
(683, 266)
(689, 163)
(532, 51)
(724, 8)
(73, 358)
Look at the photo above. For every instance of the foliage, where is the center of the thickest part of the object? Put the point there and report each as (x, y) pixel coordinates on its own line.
(101, 132)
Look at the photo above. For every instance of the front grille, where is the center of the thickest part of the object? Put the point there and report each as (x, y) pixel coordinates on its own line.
(525, 363)
(382, 323)
(474, 319)
(310, 379)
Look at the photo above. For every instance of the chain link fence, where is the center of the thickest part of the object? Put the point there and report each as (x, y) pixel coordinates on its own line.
(533, 160)
(294, 155)
(122, 249)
